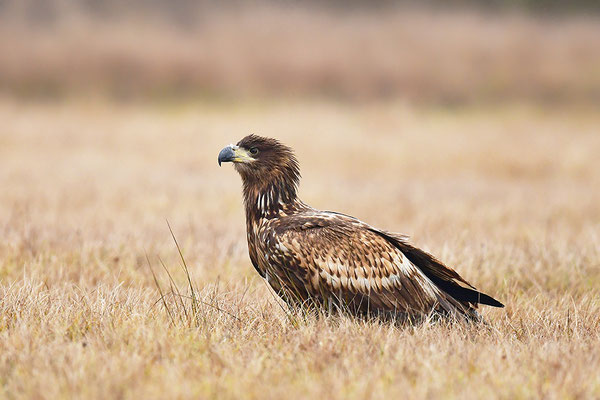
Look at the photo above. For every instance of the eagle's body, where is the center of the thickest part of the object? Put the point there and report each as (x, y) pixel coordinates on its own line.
(311, 257)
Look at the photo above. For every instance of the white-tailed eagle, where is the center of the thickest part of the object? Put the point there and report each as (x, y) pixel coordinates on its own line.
(334, 261)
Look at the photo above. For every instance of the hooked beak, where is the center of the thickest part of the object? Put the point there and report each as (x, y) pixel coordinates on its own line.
(233, 153)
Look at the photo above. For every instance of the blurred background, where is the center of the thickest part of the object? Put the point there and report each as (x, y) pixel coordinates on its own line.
(437, 119)
(435, 52)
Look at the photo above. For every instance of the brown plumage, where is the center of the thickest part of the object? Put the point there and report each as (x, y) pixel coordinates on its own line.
(311, 257)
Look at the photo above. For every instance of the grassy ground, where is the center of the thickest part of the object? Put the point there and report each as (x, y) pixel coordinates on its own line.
(509, 196)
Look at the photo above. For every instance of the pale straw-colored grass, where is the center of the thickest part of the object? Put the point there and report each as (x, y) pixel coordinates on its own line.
(510, 197)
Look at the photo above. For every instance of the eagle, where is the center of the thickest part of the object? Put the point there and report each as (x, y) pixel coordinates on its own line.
(332, 261)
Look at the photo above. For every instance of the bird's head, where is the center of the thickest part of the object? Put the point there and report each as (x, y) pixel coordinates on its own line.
(262, 161)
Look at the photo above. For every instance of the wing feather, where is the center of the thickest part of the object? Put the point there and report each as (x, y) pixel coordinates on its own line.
(344, 259)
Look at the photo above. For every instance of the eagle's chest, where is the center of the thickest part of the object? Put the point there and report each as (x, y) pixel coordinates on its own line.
(260, 240)
(265, 250)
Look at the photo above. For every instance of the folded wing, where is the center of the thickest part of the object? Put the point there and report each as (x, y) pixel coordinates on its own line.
(339, 259)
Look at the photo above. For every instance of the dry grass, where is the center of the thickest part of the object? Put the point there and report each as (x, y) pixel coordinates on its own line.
(510, 197)
(440, 57)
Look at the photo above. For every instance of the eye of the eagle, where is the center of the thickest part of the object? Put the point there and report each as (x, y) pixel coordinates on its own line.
(254, 151)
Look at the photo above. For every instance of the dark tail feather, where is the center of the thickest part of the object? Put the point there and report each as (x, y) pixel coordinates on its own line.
(464, 294)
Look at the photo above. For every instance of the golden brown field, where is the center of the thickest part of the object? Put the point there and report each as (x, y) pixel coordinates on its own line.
(509, 196)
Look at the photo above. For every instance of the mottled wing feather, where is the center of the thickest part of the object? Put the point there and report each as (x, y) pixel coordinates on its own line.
(342, 259)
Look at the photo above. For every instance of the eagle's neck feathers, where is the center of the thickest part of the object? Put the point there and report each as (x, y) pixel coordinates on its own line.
(269, 200)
